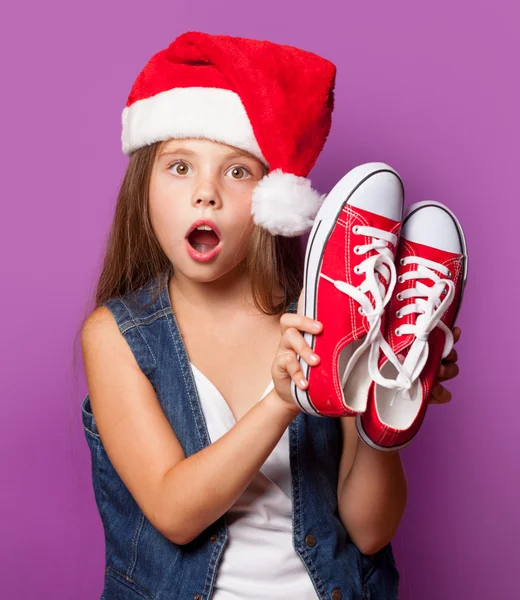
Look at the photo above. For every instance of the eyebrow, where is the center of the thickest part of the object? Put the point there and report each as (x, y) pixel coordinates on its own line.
(191, 152)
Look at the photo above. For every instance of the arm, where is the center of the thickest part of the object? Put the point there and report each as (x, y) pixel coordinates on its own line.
(216, 476)
(372, 491)
(180, 496)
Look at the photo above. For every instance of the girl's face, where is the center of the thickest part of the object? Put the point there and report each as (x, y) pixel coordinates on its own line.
(196, 179)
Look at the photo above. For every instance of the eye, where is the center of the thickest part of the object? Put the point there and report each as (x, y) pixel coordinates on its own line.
(176, 164)
(238, 170)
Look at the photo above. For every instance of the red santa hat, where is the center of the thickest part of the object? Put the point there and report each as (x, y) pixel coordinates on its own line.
(274, 101)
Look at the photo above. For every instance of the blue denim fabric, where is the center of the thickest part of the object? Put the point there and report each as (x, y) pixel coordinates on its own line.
(141, 562)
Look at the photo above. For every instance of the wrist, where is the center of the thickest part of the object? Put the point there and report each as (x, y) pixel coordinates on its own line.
(283, 409)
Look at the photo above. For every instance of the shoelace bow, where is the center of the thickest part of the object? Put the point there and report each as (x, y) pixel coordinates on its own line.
(377, 263)
(430, 312)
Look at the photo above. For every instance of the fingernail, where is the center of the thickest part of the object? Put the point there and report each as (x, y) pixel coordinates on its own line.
(316, 325)
(313, 357)
(303, 383)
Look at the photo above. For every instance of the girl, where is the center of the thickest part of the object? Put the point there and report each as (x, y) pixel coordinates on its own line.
(209, 480)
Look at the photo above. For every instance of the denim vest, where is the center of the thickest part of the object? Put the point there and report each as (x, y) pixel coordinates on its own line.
(140, 562)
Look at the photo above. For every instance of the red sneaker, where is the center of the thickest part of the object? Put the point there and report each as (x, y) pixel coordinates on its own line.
(432, 266)
(348, 280)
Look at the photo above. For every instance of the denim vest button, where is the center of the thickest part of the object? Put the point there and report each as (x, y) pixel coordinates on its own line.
(310, 540)
(336, 594)
(214, 538)
(197, 597)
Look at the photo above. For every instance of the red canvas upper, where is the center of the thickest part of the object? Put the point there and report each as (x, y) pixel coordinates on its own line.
(379, 432)
(342, 322)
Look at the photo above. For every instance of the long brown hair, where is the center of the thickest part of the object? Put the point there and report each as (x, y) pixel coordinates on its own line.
(133, 256)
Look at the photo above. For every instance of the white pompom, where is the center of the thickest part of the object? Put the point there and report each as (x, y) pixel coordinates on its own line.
(285, 204)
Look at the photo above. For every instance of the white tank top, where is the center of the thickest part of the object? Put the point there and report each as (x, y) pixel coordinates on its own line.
(259, 561)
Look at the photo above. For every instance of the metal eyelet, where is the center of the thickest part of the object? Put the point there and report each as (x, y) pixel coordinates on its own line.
(402, 261)
(356, 248)
(355, 229)
(398, 296)
(400, 279)
(361, 311)
(356, 269)
(397, 332)
(398, 314)
(449, 273)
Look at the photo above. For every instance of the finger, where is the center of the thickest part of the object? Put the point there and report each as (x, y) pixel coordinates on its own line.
(456, 334)
(439, 395)
(300, 323)
(447, 371)
(294, 340)
(289, 365)
(451, 357)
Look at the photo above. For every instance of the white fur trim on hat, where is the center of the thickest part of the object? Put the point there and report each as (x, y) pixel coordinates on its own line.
(200, 112)
(285, 204)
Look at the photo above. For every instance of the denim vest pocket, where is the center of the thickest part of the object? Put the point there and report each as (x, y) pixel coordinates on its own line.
(120, 587)
(89, 423)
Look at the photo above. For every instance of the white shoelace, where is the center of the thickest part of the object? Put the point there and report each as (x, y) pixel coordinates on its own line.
(430, 312)
(371, 265)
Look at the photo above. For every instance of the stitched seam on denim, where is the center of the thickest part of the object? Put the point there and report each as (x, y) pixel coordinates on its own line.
(297, 502)
(101, 486)
(182, 366)
(315, 572)
(96, 435)
(145, 320)
(140, 332)
(212, 571)
(122, 578)
(137, 534)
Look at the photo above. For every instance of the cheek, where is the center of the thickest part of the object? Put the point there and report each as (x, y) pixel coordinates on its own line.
(242, 207)
(243, 223)
(165, 219)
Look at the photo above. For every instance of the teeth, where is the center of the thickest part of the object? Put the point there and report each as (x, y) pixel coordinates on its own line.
(205, 227)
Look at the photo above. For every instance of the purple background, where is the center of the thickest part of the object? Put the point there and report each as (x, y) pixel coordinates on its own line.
(428, 88)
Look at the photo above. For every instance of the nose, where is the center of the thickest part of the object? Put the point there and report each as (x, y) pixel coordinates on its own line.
(203, 201)
(206, 194)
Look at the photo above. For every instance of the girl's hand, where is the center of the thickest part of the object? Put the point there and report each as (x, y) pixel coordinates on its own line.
(286, 366)
(448, 369)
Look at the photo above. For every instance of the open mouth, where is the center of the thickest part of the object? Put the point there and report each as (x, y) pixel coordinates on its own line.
(203, 241)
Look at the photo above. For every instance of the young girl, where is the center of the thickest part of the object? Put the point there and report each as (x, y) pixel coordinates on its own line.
(209, 480)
